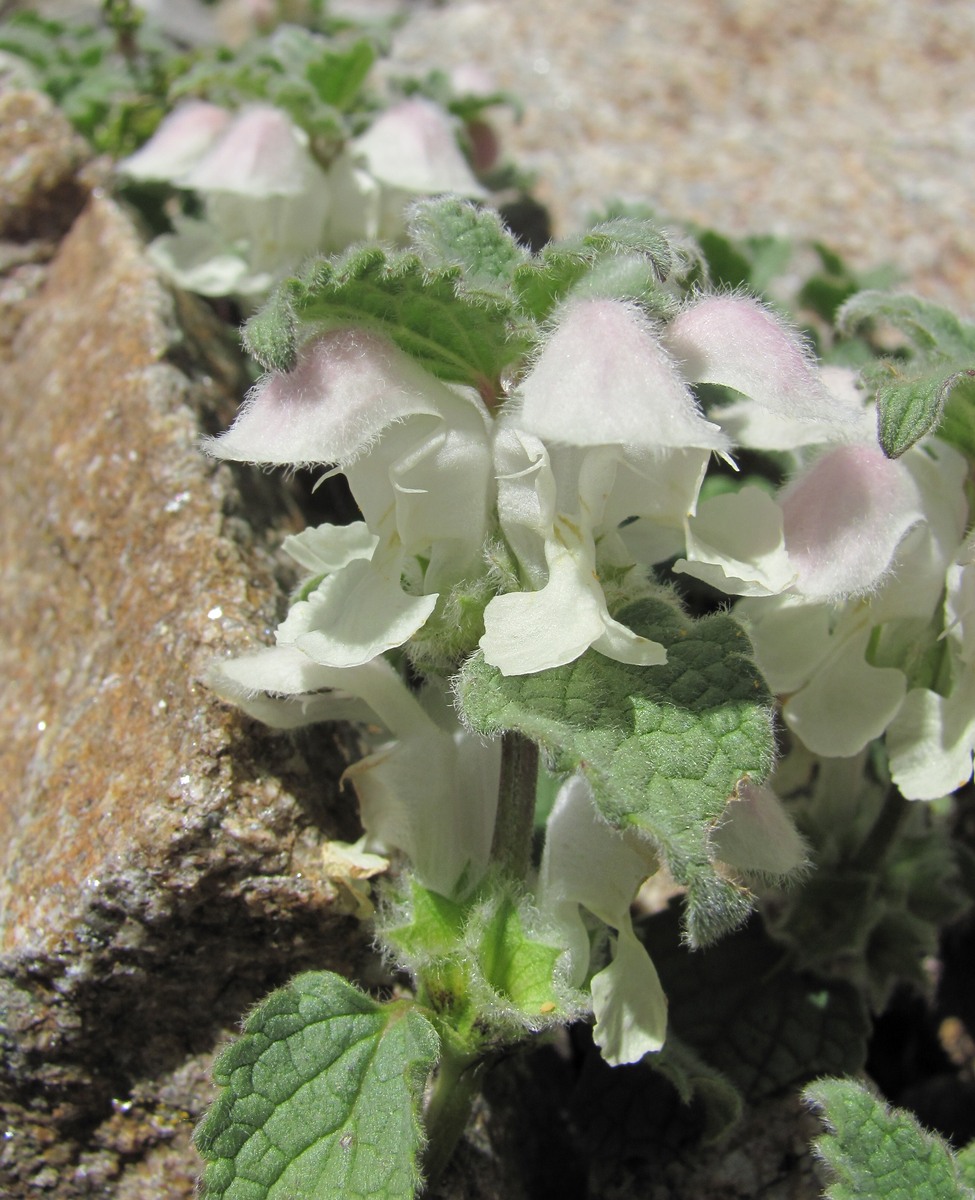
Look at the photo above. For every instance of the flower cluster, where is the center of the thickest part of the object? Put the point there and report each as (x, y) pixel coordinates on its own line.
(516, 530)
(267, 202)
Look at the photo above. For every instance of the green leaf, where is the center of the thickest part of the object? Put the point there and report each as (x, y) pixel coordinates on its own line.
(321, 1098)
(516, 966)
(662, 747)
(541, 283)
(880, 1153)
(458, 336)
(934, 387)
(455, 233)
(337, 75)
(749, 1015)
(966, 1165)
(476, 963)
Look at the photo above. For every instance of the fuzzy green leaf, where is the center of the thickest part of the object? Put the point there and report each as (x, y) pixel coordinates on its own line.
(459, 337)
(934, 388)
(455, 233)
(477, 959)
(880, 1153)
(321, 1096)
(662, 747)
(638, 245)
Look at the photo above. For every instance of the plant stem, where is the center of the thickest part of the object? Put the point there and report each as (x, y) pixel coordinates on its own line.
(448, 1110)
(885, 831)
(515, 822)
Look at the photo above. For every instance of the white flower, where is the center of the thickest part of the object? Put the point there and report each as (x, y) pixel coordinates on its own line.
(179, 143)
(433, 796)
(843, 665)
(408, 152)
(265, 199)
(418, 458)
(563, 610)
(605, 429)
(587, 864)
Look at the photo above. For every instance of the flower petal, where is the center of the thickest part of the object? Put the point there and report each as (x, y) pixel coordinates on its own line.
(587, 862)
(322, 549)
(603, 378)
(629, 1003)
(261, 153)
(736, 544)
(357, 614)
(413, 146)
(435, 799)
(179, 143)
(930, 741)
(757, 835)
(253, 681)
(346, 388)
(847, 702)
(526, 632)
(733, 340)
(844, 519)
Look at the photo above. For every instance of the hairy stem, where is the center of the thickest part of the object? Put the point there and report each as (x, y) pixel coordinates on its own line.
(512, 845)
(448, 1110)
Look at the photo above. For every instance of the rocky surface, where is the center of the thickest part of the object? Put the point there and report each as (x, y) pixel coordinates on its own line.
(158, 856)
(852, 124)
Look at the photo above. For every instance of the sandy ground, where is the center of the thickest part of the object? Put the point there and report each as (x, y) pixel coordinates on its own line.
(850, 122)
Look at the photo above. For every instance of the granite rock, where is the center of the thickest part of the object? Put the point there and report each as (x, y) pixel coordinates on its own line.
(160, 854)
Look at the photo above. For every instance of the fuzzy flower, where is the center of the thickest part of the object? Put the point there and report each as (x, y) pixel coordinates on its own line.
(418, 459)
(265, 199)
(604, 429)
(408, 152)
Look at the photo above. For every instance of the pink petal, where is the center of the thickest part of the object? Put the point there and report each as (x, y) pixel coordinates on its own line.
(347, 387)
(261, 154)
(179, 142)
(736, 342)
(412, 146)
(603, 378)
(844, 519)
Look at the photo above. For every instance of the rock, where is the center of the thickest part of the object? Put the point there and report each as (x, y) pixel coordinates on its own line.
(159, 853)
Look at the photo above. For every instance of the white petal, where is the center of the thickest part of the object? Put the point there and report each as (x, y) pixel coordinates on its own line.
(435, 799)
(660, 485)
(261, 153)
(526, 632)
(847, 702)
(930, 741)
(179, 142)
(790, 639)
(358, 613)
(198, 258)
(285, 671)
(736, 544)
(603, 378)
(525, 498)
(323, 549)
(587, 862)
(355, 214)
(629, 1003)
(752, 424)
(736, 342)
(756, 834)
(413, 146)
(346, 388)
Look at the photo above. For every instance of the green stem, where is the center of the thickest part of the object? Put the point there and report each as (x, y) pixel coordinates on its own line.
(448, 1110)
(885, 831)
(515, 822)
